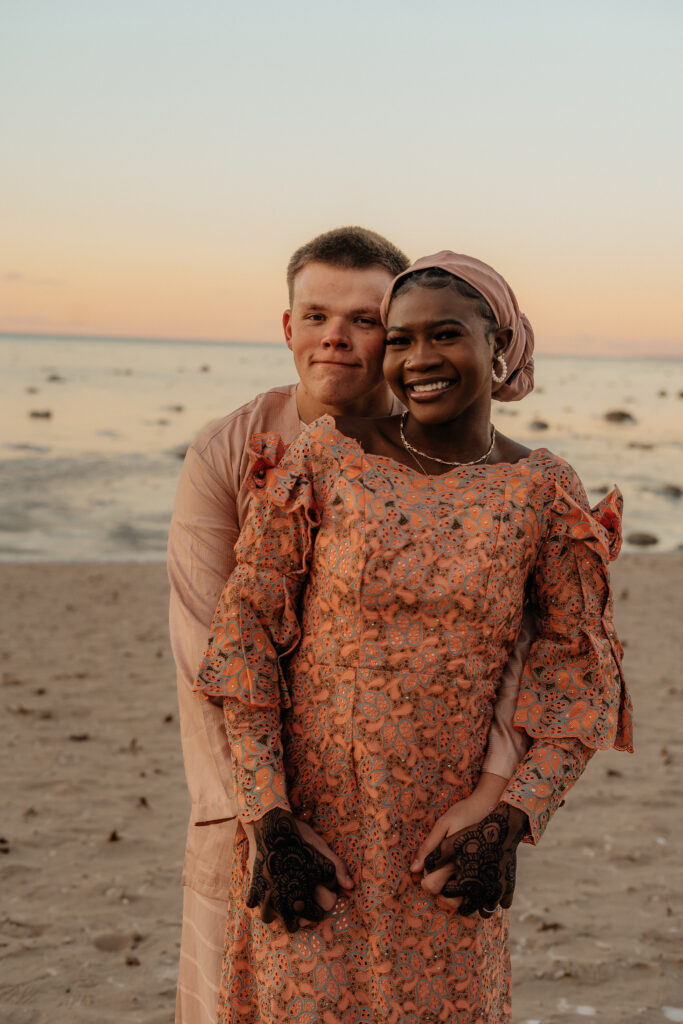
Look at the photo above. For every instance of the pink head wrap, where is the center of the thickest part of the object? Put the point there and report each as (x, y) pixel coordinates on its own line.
(501, 298)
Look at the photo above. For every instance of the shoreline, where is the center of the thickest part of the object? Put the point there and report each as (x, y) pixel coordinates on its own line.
(96, 812)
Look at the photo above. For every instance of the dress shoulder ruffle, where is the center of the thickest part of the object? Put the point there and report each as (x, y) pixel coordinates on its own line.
(598, 528)
(286, 475)
(288, 486)
(573, 685)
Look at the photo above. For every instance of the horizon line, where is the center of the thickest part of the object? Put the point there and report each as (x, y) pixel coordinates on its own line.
(162, 339)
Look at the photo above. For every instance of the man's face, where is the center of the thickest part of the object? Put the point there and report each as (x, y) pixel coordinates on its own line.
(337, 339)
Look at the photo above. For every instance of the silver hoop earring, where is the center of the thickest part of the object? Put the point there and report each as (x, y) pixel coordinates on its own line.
(503, 375)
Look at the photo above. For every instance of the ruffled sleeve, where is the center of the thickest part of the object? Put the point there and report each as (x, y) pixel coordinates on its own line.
(255, 623)
(573, 699)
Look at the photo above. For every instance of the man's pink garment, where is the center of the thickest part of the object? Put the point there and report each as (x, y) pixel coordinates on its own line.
(209, 507)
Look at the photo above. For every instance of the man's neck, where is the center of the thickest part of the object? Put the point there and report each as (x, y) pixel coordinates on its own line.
(377, 404)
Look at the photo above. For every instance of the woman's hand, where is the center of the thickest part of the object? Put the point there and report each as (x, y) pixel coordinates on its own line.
(295, 876)
(476, 866)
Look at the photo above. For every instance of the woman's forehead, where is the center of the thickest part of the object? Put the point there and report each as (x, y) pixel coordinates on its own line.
(417, 303)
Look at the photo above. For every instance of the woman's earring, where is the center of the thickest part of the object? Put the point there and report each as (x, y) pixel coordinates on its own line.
(503, 375)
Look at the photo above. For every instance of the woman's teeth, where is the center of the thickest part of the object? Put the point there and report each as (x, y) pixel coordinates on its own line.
(437, 385)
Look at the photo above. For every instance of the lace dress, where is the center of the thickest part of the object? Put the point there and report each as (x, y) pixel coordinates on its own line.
(358, 646)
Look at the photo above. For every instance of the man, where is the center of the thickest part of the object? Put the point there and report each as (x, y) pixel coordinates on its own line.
(333, 328)
(336, 283)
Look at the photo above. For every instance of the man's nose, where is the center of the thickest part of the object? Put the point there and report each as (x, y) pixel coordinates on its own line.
(336, 333)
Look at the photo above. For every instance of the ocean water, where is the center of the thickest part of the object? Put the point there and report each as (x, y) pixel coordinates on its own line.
(94, 480)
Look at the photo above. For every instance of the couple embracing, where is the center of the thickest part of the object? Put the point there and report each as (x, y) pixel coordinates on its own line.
(411, 662)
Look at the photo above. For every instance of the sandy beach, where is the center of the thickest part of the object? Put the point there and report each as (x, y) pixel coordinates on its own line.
(95, 813)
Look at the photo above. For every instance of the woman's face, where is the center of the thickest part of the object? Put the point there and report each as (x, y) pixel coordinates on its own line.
(438, 356)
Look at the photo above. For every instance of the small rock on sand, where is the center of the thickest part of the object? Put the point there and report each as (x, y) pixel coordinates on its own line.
(642, 539)
(539, 425)
(41, 414)
(619, 416)
(671, 491)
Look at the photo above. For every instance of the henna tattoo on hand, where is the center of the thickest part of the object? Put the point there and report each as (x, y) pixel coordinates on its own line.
(483, 858)
(286, 872)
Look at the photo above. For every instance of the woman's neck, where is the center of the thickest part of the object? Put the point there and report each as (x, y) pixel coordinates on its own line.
(461, 440)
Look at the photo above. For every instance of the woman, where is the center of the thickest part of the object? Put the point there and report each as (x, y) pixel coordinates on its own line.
(391, 567)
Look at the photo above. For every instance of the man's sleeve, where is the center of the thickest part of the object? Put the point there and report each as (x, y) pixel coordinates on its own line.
(202, 536)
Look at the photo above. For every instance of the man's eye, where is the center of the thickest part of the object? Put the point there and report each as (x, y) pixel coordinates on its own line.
(367, 321)
(316, 317)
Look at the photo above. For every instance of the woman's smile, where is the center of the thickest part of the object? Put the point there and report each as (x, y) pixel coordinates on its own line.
(428, 389)
(438, 356)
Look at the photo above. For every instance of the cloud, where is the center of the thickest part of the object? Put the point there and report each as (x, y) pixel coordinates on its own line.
(17, 277)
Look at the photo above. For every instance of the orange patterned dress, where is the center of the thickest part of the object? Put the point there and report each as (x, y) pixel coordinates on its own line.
(358, 645)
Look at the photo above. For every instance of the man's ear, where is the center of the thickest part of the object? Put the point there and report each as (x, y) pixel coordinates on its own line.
(287, 327)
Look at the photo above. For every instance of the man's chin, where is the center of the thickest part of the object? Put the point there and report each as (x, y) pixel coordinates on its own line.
(338, 393)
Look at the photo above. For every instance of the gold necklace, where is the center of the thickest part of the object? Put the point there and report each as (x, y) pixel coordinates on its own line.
(434, 458)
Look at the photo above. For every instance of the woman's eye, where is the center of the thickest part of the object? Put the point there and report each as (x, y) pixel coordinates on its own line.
(395, 340)
(449, 335)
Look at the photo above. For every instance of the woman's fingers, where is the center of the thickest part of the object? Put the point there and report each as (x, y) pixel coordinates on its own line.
(509, 888)
(267, 912)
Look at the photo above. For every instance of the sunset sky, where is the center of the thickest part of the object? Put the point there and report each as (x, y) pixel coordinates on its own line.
(161, 160)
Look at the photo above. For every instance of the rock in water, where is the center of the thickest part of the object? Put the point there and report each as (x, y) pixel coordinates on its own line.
(619, 416)
(642, 539)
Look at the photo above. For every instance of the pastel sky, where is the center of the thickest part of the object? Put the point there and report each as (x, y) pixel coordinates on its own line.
(161, 159)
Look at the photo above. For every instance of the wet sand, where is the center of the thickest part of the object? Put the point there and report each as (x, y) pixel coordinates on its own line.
(95, 811)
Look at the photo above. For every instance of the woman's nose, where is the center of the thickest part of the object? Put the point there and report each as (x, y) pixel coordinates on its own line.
(422, 355)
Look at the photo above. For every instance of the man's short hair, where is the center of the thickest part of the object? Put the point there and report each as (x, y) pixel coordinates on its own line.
(352, 247)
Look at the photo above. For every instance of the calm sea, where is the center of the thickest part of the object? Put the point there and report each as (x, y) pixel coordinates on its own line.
(94, 480)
